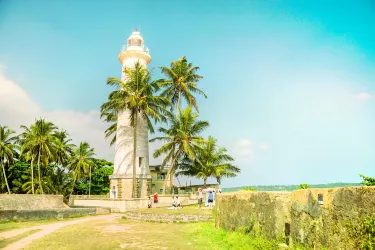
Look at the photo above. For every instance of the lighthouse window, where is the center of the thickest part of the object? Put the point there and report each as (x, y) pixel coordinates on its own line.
(135, 42)
(141, 162)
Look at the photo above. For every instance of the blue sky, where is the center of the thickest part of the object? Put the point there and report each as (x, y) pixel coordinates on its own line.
(290, 84)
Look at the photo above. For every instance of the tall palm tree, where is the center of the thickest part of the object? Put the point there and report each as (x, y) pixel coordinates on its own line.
(182, 139)
(82, 162)
(38, 142)
(63, 147)
(110, 117)
(213, 162)
(136, 95)
(7, 149)
(181, 82)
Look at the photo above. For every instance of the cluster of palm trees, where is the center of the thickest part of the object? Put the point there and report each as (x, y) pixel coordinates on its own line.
(160, 101)
(59, 162)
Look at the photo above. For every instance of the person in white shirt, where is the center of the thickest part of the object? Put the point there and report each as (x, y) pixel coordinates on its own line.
(174, 202)
(178, 202)
(200, 198)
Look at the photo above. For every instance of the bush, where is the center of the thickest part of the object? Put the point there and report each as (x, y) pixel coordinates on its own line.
(363, 233)
(304, 186)
(367, 181)
(249, 189)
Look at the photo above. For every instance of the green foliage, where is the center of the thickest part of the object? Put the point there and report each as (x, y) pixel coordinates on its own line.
(304, 186)
(181, 139)
(247, 188)
(211, 161)
(45, 149)
(363, 233)
(367, 181)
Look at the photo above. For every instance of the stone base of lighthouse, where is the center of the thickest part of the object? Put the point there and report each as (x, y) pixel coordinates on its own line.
(122, 187)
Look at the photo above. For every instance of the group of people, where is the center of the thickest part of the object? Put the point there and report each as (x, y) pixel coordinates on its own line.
(210, 197)
(176, 201)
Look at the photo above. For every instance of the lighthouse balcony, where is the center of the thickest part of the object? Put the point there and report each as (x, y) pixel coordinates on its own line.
(141, 48)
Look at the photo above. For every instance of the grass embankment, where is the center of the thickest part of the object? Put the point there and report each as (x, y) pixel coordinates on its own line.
(125, 234)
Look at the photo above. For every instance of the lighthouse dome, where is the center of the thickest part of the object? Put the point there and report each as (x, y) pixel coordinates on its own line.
(135, 39)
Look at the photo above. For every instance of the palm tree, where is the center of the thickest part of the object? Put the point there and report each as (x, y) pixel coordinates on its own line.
(7, 149)
(63, 147)
(111, 130)
(181, 82)
(213, 162)
(38, 142)
(136, 95)
(81, 162)
(182, 139)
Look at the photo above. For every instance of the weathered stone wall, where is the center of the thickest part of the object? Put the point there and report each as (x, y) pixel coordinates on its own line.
(266, 211)
(29, 201)
(26, 215)
(167, 218)
(312, 225)
(318, 226)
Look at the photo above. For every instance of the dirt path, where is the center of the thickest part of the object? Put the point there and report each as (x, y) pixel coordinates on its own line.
(45, 230)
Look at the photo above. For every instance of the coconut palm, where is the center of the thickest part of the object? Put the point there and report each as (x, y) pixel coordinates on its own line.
(137, 96)
(181, 82)
(38, 142)
(213, 162)
(82, 162)
(7, 149)
(63, 147)
(111, 130)
(182, 139)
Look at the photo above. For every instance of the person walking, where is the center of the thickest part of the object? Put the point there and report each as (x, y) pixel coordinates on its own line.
(155, 198)
(200, 198)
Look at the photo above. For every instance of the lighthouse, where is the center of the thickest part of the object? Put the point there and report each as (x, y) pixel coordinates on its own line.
(122, 178)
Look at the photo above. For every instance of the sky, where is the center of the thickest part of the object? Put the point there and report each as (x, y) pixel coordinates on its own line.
(290, 84)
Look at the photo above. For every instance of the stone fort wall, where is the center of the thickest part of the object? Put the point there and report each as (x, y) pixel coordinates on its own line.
(312, 218)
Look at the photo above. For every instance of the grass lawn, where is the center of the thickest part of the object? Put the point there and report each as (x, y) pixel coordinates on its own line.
(6, 226)
(125, 234)
(191, 209)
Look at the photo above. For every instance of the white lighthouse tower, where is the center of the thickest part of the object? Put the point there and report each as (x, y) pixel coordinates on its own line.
(122, 178)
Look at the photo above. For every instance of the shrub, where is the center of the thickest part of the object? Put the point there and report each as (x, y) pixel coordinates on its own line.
(367, 181)
(249, 189)
(304, 186)
(363, 233)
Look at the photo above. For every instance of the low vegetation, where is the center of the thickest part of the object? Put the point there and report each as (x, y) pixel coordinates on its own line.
(367, 181)
(249, 189)
(363, 233)
(304, 186)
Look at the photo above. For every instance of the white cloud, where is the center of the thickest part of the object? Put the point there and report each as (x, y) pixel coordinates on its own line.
(17, 108)
(363, 96)
(243, 148)
(263, 145)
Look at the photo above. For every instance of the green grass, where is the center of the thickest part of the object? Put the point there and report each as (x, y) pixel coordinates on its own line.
(4, 243)
(6, 226)
(192, 209)
(124, 234)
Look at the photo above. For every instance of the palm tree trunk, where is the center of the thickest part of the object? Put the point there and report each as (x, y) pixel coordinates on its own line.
(32, 174)
(5, 176)
(40, 182)
(74, 183)
(205, 182)
(178, 103)
(168, 173)
(135, 194)
(90, 180)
